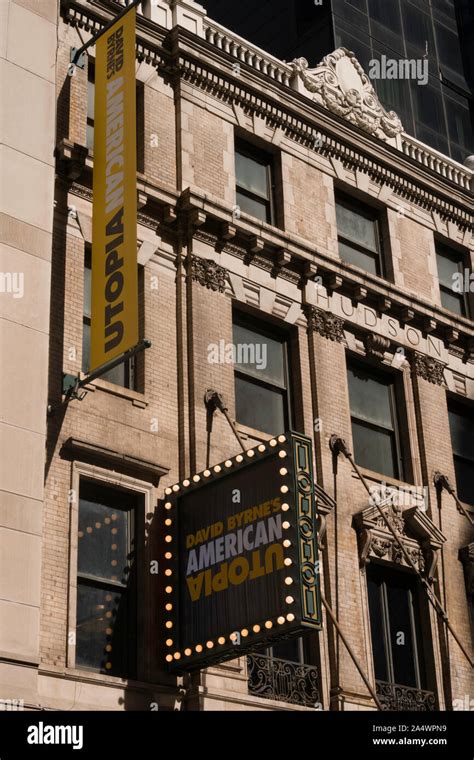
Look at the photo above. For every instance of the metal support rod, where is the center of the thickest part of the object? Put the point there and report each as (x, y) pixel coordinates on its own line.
(338, 445)
(214, 400)
(93, 40)
(442, 482)
(351, 653)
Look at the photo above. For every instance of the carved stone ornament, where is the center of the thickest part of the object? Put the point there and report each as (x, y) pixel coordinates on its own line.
(325, 323)
(340, 84)
(206, 272)
(428, 368)
(419, 536)
(376, 345)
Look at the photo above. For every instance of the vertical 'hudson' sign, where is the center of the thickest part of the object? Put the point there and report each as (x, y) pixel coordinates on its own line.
(114, 319)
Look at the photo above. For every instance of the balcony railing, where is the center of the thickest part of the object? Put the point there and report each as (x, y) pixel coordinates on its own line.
(404, 698)
(283, 681)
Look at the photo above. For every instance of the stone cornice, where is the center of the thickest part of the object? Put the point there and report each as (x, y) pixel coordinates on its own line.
(204, 65)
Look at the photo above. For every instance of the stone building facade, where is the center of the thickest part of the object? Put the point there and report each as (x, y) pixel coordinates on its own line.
(260, 184)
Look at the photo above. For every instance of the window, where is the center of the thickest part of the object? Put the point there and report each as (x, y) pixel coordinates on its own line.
(254, 184)
(461, 422)
(450, 267)
(261, 378)
(90, 104)
(358, 235)
(375, 426)
(124, 373)
(105, 619)
(397, 616)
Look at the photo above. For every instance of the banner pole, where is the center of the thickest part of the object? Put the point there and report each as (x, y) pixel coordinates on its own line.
(76, 54)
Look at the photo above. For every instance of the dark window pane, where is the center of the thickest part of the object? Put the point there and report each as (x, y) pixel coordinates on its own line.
(101, 629)
(86, 346)
(449, 48)
(417, 26)
(367, 261)
(259, 356)
(403, 658)
(102, 540)
(428, 106)
(461, 421)
(356, 227)
(87, 290)
(453, 302)
(385, 13)
(253, 207)
(377, 627)
(447, 268)
(464, 469)
(375, 449)
(370, 398)
(252, 175)
(259, 407)
(287, 650)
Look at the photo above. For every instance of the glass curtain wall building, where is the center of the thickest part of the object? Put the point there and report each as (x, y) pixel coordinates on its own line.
(439, 113)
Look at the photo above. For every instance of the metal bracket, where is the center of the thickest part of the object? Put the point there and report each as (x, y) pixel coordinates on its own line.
(77, 60)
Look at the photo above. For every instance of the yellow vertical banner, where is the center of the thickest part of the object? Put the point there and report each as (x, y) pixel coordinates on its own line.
(114, 314)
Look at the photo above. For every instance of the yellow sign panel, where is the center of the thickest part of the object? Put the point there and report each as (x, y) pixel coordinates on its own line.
(114, 317)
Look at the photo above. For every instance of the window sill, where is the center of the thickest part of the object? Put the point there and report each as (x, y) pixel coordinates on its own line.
(376, 477)
(248, 432)
(101, 679)
(137, 399)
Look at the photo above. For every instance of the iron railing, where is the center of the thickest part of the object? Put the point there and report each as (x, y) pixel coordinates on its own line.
(283, 681)
(404, 698)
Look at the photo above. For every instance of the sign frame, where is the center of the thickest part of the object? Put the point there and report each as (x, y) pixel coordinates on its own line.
(301, 609)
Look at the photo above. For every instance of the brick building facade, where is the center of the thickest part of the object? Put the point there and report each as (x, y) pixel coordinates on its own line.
(270, 202)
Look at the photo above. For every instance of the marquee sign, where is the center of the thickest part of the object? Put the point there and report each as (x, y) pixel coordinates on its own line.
(240, 555)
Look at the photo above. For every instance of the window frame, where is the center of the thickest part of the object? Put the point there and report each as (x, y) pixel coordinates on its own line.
(263, 328)
(461, 406)
(459, 258)
(396, 399)
(372, 214)
(418, 619)
(129, 666)
(249, 150)
(144, 493)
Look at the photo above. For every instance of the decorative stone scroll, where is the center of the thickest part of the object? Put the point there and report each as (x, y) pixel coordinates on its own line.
(325, 323)
(376, 345)
(206, 272)
(340, 84)
(419, 536)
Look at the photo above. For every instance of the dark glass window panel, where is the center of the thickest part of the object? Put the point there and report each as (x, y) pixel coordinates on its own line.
(252, 175)
(370, 398)
(343, 38)
(449, 48)
(464, 469)
(395, 96)
(460, 124)
(428, 106)
(101, 629)
(274, 371)
(259, 407)
(403, 656)
(376, 627)
(356, 227)
(447, 267)
(387, 14)
(461, 422)
(287, 650)
(103, 541)
(375, 449)
(452, 301)
(253, 206)
(417, 27)
(367, 261)
(86, 345)
(87, 289)
(430, 137)
(361, 5)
